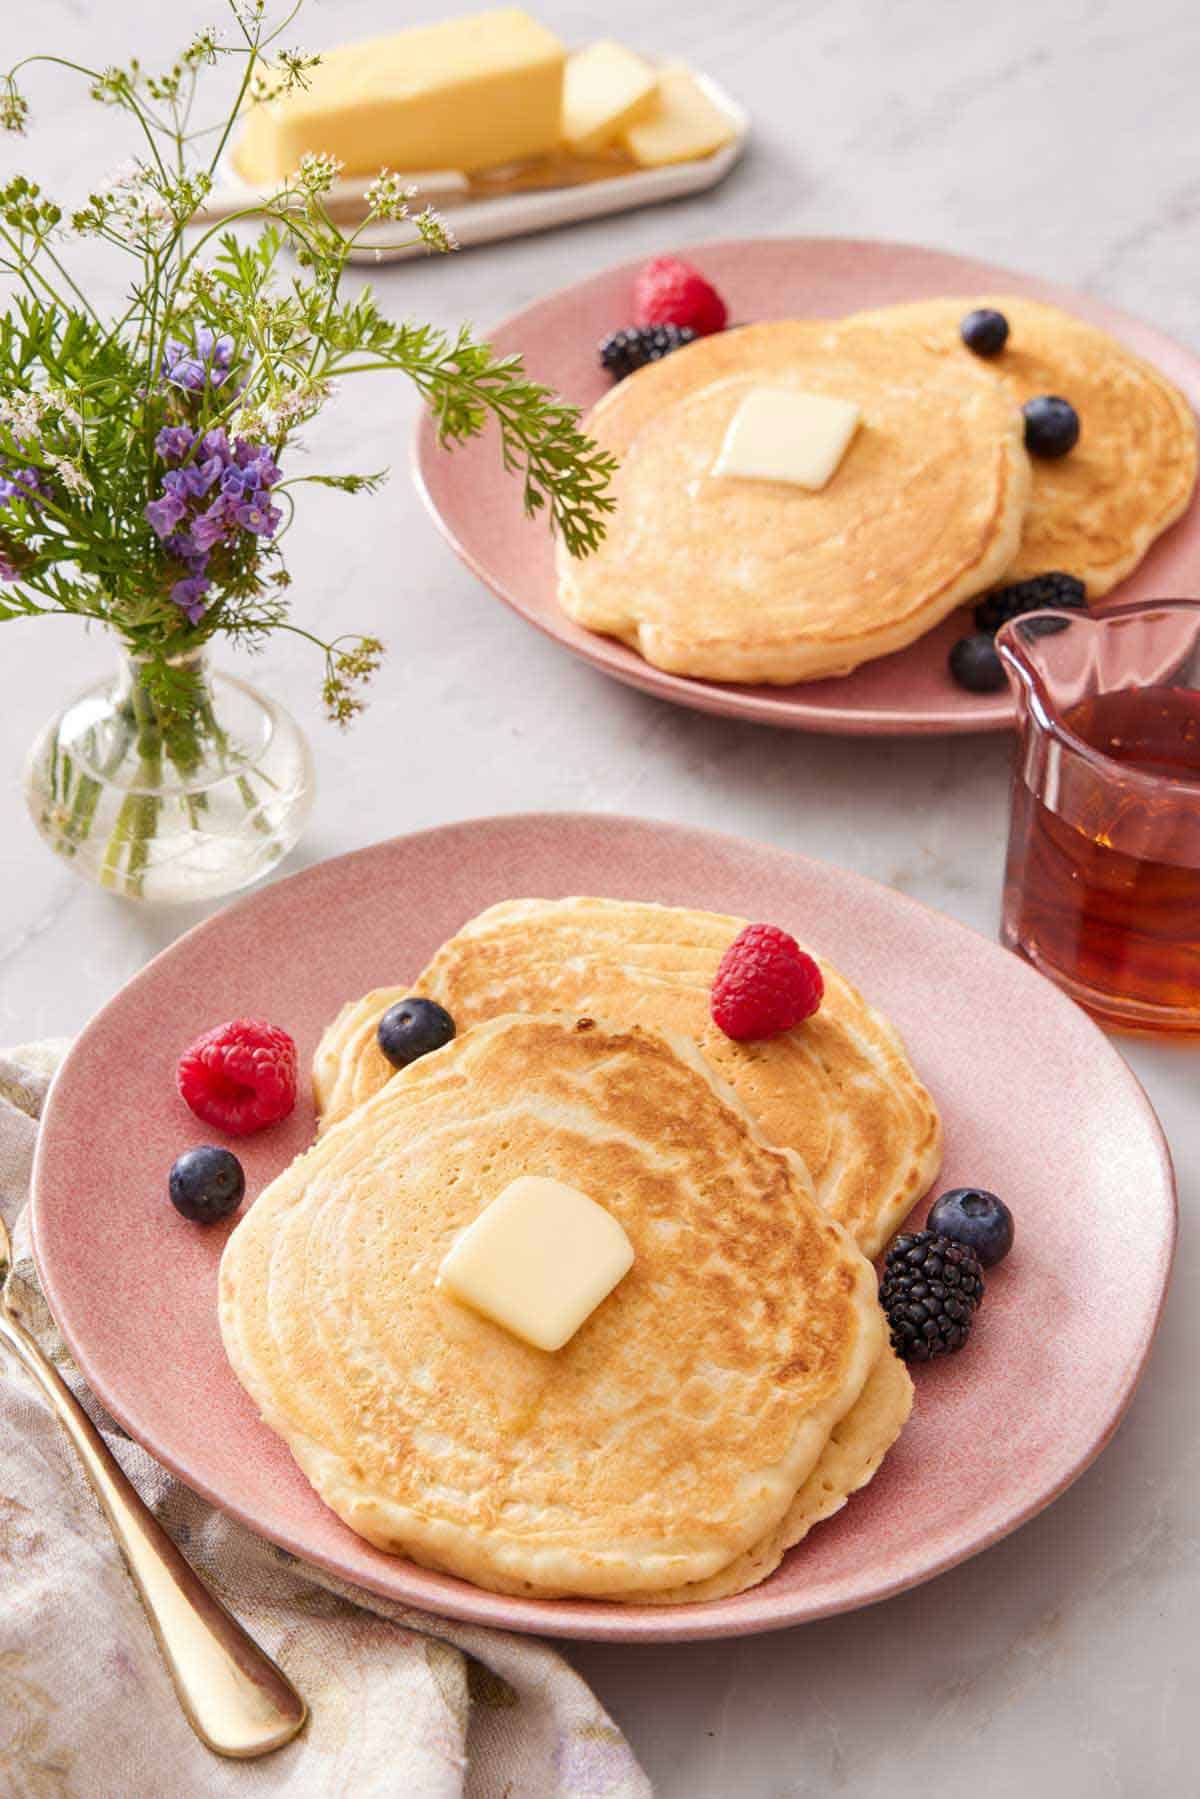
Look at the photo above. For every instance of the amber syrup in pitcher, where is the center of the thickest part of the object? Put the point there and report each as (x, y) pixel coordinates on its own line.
(1104, 893)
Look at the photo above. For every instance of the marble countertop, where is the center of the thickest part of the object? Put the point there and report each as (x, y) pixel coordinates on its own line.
(1062, 138)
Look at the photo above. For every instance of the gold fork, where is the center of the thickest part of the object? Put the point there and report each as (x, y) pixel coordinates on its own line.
(234, 1697)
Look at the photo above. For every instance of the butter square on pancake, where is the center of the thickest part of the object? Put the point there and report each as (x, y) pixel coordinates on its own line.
(538, 1260)
(782, 434)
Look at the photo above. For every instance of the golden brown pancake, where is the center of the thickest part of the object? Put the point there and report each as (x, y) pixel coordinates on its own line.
(671, 1435)
(850, 1459)
(741, 580)
(839, 1089)
(1095, 512)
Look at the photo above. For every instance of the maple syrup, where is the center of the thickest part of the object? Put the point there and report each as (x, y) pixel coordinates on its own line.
(1102, 890)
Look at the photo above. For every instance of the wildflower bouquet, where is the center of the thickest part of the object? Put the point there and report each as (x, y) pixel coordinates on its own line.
(144, 458)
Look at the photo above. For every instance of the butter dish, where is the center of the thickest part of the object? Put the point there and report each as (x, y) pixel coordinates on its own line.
(508, 202)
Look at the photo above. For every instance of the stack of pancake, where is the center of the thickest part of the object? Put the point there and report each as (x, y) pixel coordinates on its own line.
(936, 499)
(732, 1390)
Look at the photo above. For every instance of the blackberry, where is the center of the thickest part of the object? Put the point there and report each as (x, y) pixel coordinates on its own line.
(1056, 590)
(930, 1291)
(625, 351)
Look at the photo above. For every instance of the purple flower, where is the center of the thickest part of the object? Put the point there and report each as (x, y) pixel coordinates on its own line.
(20, 484)
(182, 370)
(256, 459)
(164, 514)
(213, 349)
(181, 546)
(8, 568)
(189, 596)
(216, 443)
(194, 479)
(174, 442)
(266, 472)
(214, 526)
(238, 481)
(258, 517)
(206, 362)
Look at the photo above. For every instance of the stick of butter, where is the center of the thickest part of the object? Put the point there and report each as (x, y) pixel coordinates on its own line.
(538, 1260)
(470, 93)
(685, 123)
(781, 434)
(607, 89)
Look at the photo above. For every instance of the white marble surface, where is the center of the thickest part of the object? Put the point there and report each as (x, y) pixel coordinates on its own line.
(1058, 135)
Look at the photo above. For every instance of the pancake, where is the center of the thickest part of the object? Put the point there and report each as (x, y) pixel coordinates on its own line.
(1095, 512)
(850, 1459)
(670, 1435)
(763, 581)
(839, 1089)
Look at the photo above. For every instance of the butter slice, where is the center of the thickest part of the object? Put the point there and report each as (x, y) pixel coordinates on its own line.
(470, 93)
(685, 123)
(782, 434)
(538, 1260)
(607, 89)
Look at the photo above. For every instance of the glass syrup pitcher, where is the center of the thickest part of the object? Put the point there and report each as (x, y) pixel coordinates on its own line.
(1102, 887)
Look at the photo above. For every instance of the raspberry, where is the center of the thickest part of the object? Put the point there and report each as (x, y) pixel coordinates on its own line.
(670, 292)
(765, 984)
(239, 1076)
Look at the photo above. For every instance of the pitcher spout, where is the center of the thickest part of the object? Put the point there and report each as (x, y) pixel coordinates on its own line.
(1057, 660)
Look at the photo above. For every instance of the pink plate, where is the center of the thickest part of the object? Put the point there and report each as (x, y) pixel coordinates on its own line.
(477, 506)
(1036, 1104)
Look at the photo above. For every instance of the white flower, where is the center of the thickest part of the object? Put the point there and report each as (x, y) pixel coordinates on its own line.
(318, 171)
(22, 413)
(130, 201)
(268, 419)
(387, 196)
(61, 402)
(435, 231)
(248, 421)
(289, 69)
(71, 477)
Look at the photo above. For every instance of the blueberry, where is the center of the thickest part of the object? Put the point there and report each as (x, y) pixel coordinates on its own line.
(207, 1183)
(413, 1028)
(1051, 426)
(973, 1216)
(975, 664)
(985, 331)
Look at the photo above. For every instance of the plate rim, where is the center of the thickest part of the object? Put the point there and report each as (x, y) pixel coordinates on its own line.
(591, 1620)
(753, 704)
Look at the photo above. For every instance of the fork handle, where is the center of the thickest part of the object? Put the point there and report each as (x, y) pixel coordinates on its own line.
(235, 1698)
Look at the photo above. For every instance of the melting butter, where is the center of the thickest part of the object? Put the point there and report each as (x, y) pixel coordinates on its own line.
(783, 434)
(538, 1260)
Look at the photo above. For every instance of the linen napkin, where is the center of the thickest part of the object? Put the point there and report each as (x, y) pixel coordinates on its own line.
(402, 1704)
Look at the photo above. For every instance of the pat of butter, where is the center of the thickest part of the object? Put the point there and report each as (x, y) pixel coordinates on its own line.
(781, 434)
(685, 123)
(538, 1260)
(469, 93)
(607, 89)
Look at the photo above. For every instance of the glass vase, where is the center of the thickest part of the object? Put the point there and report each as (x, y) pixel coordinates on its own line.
(176, 791)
